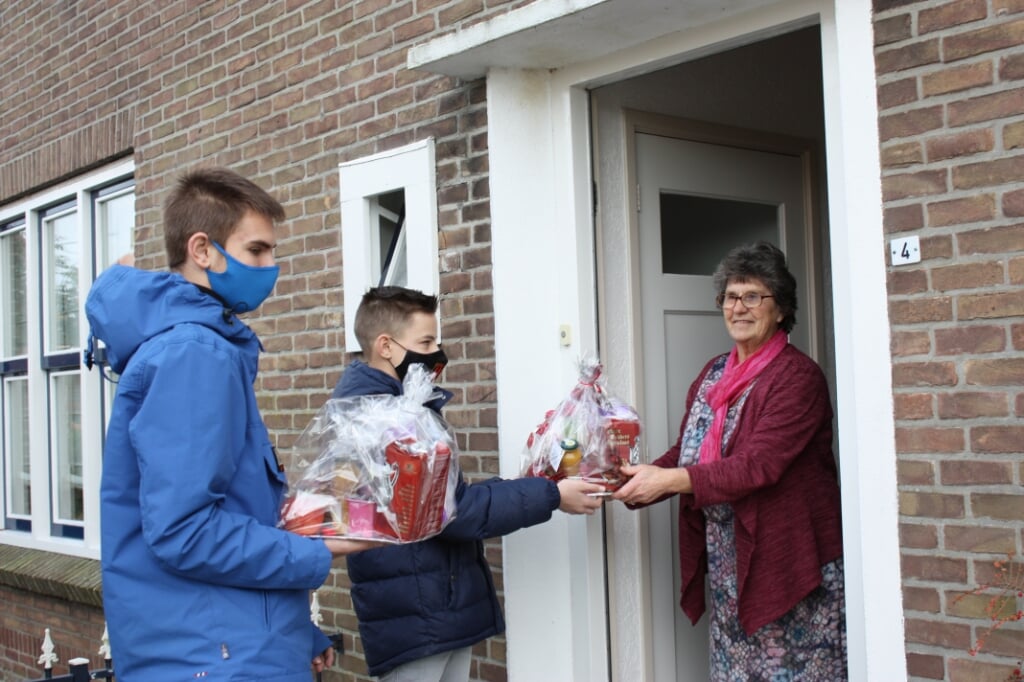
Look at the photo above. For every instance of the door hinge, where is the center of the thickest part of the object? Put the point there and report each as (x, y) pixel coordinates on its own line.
(638, 197)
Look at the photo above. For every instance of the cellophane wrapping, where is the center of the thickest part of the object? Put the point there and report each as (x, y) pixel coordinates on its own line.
(374, 467)
(605, 429)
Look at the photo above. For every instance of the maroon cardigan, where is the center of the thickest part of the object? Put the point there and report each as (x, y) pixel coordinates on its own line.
(779, 475)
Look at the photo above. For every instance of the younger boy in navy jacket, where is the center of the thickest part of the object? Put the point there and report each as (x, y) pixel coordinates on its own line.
(422, 606)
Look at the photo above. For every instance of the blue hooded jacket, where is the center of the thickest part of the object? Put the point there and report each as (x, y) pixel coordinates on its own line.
(424, 598)
(197, 579)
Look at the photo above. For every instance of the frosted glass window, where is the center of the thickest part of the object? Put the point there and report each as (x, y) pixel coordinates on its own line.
(696, 232)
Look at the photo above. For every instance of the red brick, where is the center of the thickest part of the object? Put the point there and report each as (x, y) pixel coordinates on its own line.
(965, 339)
(998, 506)
(990, 306)
(959, 144)
(918, 536)
(1011, 67)
(967, 276)
(459, 11)
(1013, 203)
(951, 14)
(905, 282)
(934, 568)
(998, 240)
(926, 666)
(914, 472)
(910, 123)
(907, 56)
(1016, 270)
(927, 439)
(1017, 335)
(903, 154)
(897, 93)
(976, 538)
(916, 310)
(995, 372)
(997, 439)
(924, 599)
(983, 174)
(893, 29)
(974, 472)
(986, 108)
(913, 406)
(960, 211)
(983, 40)
(903, 218)
(1013, 135)
(921, 183)
(956, 79)
(1004, 7)
(903, 343)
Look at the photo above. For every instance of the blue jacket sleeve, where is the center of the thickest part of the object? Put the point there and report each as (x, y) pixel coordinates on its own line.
(497, 507)
(189, 435)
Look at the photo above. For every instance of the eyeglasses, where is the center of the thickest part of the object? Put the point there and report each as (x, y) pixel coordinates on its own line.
(751, 299)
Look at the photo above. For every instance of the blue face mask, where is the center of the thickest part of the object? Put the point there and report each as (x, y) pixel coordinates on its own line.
(244, 287)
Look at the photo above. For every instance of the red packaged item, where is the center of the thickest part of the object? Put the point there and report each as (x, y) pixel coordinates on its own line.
(589, 435)
(378, 467)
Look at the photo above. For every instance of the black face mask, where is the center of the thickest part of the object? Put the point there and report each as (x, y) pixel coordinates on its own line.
(434, 362)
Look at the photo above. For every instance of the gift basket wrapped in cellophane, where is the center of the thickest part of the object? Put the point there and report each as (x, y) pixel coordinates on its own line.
(588, 435)
(374, 467)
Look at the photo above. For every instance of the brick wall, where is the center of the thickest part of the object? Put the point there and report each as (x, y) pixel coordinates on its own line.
(282, 92)
(75, 629)
(951, 99)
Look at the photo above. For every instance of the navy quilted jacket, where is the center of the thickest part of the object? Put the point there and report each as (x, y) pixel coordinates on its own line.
(424, 598)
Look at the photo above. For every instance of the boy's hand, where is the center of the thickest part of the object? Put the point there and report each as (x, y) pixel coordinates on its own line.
(340, 547)
(324, 660)
(579, 496)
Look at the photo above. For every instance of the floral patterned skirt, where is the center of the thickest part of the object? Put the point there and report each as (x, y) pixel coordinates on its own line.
(807, 644)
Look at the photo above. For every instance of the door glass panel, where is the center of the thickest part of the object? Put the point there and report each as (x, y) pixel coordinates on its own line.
(13, 305)
(67, 428)
(19, 470)
(696, 231)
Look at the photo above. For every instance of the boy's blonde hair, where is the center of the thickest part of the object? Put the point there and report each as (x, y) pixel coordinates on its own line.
(386, 310)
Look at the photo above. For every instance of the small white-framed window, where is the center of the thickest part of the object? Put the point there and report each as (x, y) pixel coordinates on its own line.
(388, 225)
(52, 412)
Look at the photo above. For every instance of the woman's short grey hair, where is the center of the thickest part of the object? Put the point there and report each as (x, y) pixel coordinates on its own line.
(762, 261)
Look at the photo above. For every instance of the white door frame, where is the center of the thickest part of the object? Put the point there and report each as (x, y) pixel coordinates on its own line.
(544, 277)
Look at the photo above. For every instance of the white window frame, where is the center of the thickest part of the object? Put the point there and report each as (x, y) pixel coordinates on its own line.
(411, 169)
(44, 533)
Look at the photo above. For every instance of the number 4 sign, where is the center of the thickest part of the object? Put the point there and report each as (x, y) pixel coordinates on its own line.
(905, 250)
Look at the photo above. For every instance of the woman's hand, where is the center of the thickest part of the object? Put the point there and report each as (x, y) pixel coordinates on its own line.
(579, 496)
(648, 483)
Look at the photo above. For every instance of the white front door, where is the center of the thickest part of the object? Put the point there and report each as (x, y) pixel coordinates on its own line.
(696, 201)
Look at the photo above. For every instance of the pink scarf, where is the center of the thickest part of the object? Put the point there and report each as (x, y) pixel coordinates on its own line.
(735, 379)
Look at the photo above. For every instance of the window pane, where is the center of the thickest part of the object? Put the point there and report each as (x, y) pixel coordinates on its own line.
(61, 283)
(697, 231)
(13, 305)
(67, 438)
(115, 227)
(19, 492)
(392, 263)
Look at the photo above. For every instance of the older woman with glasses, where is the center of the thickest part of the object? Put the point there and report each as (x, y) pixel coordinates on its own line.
(759, 513)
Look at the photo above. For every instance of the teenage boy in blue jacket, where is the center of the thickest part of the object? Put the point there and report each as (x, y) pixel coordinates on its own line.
(422, 606)
(197, 580)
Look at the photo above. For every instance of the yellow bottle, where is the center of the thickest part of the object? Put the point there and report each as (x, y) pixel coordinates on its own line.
(571, 456)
